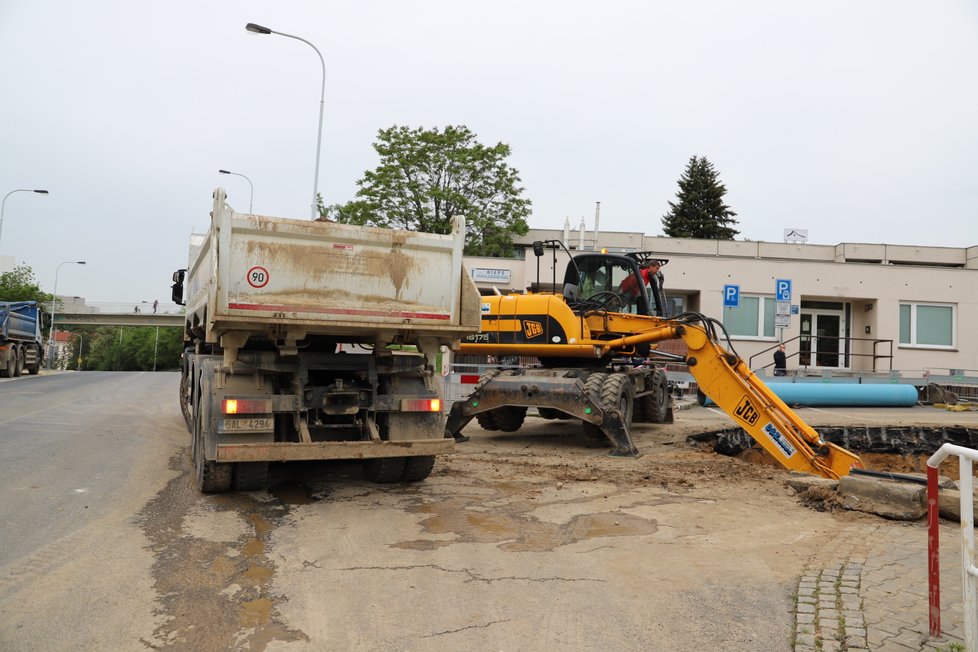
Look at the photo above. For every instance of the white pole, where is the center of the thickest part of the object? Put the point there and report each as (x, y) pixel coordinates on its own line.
(3, 204)
(258, 29)
(54, 298)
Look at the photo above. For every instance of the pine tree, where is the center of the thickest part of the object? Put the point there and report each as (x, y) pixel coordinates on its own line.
(700, 211)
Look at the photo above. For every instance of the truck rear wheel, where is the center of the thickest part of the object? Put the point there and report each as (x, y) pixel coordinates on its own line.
(384, 469)
(7, 371)
(19, 367)
(418, 468)
(34, 367)
(209, 476)
(250, 476)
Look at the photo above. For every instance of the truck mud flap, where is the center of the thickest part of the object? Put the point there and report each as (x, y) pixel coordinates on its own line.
(543, 390)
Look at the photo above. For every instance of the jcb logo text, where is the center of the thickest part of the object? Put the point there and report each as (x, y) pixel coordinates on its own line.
(746, 412)
(532, 329)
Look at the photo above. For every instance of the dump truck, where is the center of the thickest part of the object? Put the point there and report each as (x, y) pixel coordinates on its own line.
(595, 337)
(21, 346)
(312, 340)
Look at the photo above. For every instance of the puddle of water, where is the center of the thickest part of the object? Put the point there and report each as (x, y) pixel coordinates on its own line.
(258, 574)
(256, 612)
(514, 529)
(260, 524)
(292, 493)
(253, 548)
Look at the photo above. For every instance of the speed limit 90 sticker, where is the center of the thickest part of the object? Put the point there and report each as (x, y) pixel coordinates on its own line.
(257, 277)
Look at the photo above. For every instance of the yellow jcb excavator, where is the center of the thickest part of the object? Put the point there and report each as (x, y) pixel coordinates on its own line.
(594, 337)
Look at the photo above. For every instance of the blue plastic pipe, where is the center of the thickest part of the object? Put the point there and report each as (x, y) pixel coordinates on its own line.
(843, 394)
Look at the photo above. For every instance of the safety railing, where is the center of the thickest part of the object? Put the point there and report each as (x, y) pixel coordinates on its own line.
(969, 573)
(843, 347)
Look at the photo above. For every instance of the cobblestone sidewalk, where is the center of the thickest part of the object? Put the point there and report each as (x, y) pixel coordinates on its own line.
(868, 591)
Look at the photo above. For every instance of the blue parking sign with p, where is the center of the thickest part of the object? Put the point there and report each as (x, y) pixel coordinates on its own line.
(731, 296)
(782, 289)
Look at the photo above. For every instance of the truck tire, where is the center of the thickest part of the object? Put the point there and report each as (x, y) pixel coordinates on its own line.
(548, 413)
(384, 469)
(250, 476)
(417, 468)
(209, 476)
(34, 367)
(7, 370)
(185, 401)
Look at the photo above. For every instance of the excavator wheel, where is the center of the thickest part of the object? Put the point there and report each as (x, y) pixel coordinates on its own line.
(654, 407)
(552, 413)
(592, 387)
(508, 418)
(486, 420)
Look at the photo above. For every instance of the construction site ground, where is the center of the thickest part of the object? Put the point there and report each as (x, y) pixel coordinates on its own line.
(708, 551)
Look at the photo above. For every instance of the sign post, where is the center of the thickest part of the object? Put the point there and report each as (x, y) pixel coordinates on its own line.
(782, 294)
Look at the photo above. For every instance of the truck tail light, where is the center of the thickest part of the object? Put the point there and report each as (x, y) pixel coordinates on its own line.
(421, 405)
(246, 406)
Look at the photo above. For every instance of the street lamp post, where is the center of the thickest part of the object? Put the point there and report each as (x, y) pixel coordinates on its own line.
(251, 200)
(54, 299)
(3, 204)
(258, 29)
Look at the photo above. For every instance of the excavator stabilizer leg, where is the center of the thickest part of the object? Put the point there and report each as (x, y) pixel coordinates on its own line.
(555, 389)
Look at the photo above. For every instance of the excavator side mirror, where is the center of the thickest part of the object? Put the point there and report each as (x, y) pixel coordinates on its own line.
(537, 248)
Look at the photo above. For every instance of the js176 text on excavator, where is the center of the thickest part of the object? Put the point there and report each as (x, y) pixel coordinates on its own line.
(595, 338)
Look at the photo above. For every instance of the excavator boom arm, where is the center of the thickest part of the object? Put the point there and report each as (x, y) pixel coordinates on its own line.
(728, 381)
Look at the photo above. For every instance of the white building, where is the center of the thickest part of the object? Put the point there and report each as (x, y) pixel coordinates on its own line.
(853, 307)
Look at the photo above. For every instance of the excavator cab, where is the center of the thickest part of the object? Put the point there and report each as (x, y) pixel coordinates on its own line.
(616, 283)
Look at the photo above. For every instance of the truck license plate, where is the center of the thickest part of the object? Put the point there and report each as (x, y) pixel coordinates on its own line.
(259, 424)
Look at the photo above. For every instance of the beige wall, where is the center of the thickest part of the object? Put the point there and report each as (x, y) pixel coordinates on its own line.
(893, 274)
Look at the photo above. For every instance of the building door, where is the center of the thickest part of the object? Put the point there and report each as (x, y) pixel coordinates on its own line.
(823, 335)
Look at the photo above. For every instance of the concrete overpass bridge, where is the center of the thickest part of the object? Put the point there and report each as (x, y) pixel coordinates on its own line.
(73, 313)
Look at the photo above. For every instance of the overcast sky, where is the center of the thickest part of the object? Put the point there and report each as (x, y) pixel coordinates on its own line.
(855, 120)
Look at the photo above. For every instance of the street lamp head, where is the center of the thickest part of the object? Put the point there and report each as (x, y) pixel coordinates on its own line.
(41, 192)
(257, 29)
(225, 171)
(80, 262)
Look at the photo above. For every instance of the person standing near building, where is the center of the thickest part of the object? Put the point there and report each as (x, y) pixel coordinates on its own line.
(780, 361)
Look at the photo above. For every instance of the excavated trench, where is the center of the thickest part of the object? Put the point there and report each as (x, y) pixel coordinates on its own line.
(883, 448)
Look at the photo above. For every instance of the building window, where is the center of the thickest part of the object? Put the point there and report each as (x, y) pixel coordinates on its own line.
(927, 324)
(753, 318)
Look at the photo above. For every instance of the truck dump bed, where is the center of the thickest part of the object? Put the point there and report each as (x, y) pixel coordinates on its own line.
(18, 320)
(291, 278)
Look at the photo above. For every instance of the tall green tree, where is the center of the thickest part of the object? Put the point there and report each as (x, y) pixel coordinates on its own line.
(20, 285)
(426, 177)
(699, 211)
(130, 348)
